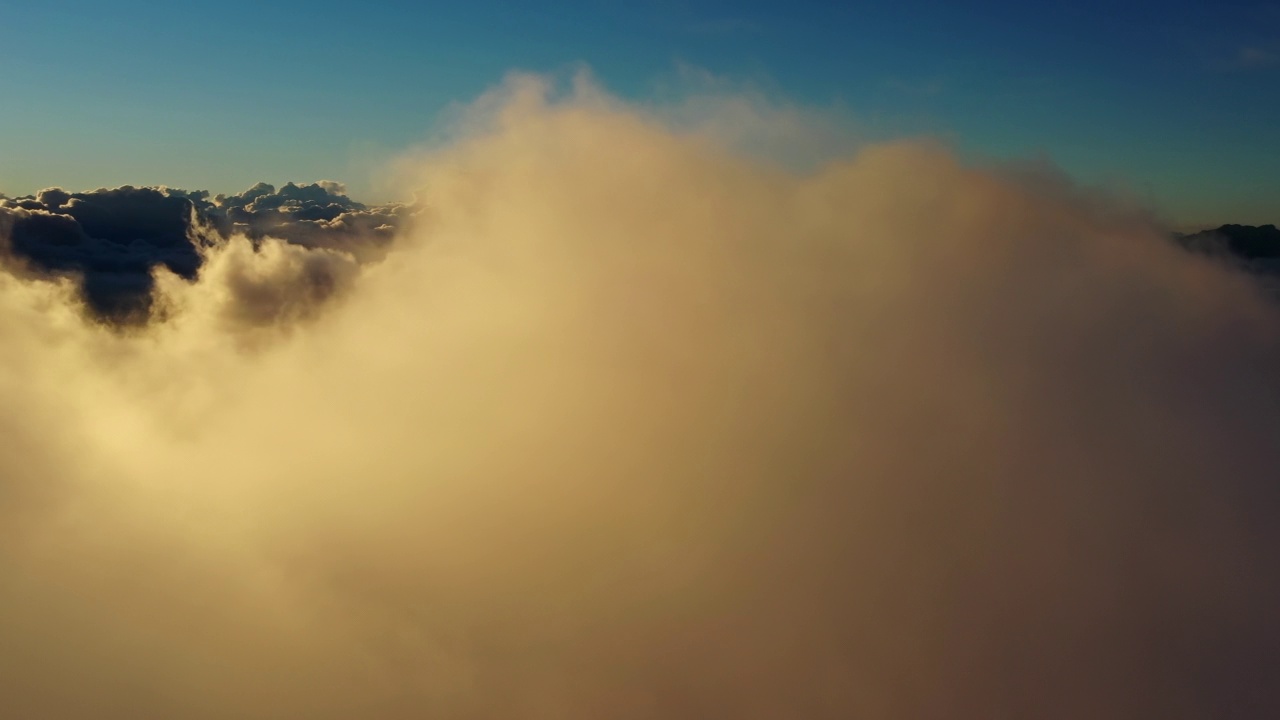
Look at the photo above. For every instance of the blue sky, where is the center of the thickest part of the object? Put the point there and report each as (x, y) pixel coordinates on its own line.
(1179, 101)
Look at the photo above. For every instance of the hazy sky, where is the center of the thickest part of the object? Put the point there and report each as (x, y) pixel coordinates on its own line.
(1176, 100)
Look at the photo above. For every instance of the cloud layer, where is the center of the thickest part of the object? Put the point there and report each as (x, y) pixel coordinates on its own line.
(112, 238)
(630, 426)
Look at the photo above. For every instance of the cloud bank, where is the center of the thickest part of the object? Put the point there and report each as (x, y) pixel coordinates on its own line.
(627, 425)
(112, 238)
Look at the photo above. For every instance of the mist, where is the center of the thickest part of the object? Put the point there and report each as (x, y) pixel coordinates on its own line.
(630, 423)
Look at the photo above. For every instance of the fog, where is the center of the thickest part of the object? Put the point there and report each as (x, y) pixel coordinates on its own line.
(628, 423)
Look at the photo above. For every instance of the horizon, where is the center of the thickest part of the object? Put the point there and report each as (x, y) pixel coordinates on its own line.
(1173, 103)
(342, 189)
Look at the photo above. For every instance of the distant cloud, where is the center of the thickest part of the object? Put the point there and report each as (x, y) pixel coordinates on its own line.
(1256, 57)
(1257, 47)
(112, 239)
(754, 117)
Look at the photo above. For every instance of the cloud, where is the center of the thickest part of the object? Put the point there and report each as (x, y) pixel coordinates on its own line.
(1256, 57)
(1248, 243)
(628, 424)
(114, 238)
(754, 118)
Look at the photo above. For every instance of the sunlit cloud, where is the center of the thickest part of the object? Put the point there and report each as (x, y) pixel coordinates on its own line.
(621, 420)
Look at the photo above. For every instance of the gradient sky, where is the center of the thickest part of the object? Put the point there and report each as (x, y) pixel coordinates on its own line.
(1177, 100)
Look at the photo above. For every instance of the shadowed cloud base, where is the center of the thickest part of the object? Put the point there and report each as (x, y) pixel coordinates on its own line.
(112, 238)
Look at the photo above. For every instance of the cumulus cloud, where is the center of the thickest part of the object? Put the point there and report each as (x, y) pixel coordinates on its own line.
(1246, 242)
(628, 425)
(114, 239)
